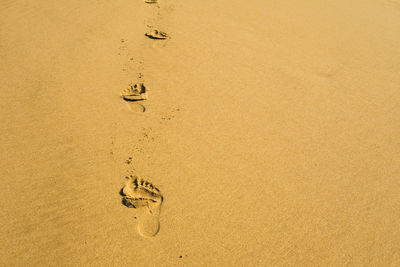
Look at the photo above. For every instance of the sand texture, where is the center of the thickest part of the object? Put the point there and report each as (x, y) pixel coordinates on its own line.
(251, 133)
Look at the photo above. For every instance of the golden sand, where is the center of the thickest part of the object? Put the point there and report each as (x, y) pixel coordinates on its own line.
(271, 128)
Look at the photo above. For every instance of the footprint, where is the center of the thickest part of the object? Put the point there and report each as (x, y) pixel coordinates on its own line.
(142, 195)
(134, 92)
(156, 34)
(151, 1)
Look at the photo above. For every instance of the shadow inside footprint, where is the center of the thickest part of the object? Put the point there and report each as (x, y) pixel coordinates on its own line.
(147, 199)
(157, 35)
(135, 95)
(134, 92)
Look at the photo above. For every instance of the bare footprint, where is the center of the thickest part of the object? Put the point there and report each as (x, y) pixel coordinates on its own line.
(156, 34)
(142, 195)
(133, 94)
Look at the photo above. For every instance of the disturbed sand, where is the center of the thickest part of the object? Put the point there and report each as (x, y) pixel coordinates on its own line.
(271, 130)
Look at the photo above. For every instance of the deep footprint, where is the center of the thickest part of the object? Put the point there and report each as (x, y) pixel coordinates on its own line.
(134, 92)
(156, 34)
(147, 199)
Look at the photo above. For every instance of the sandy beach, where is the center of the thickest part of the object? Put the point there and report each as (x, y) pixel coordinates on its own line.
(268, 135)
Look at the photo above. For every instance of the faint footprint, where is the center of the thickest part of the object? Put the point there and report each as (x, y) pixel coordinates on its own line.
(142, 195)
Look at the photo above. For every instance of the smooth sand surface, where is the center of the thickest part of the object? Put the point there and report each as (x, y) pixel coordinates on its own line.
(271, 128)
